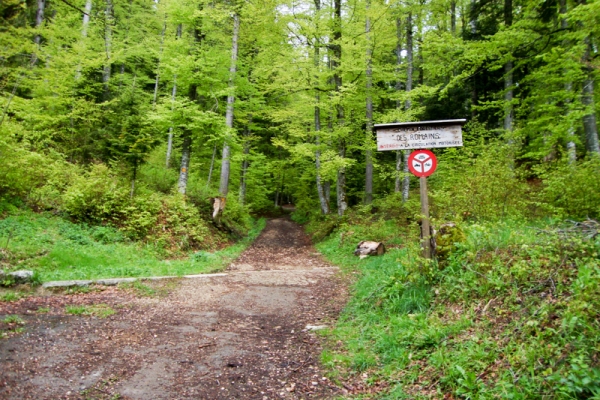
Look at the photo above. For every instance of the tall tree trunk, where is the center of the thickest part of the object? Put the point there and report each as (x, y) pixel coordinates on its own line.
(473, 31)
(225, 167)
(170, 135)
(323, 200)
(39, 20)
(173, 94)
(453, 17)
(408, 102)
(571, 147)
(156, 81)
(84, 31)
(133, 178)
(186, 149)
(212, 164)
(508, 73)
(397, 185)
(244, 169)
(108, 21)
(589, 120)
(369, 111)
(342, 203)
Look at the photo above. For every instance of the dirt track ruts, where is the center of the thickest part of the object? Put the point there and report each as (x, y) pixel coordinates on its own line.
(241, 336)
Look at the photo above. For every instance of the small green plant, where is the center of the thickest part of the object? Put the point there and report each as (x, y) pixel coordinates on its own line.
(11, 296)
(13, 319)
(98, 310)
(43, 310)
(139, 288)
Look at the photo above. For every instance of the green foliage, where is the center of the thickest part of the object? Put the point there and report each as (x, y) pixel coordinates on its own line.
(573, 190)
(512, 315)
(486, 187)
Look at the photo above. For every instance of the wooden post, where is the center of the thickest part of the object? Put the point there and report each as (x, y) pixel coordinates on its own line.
(425, 229)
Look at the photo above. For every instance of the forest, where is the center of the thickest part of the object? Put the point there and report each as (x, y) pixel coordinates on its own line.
(172, 125)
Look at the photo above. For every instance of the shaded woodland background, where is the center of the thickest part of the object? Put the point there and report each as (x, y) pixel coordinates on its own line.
(134, 112)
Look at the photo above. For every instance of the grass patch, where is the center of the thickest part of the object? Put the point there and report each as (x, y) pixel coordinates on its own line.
(11, 324)
(57, 249)
(12, 296)
(97, 310)
(512, 313)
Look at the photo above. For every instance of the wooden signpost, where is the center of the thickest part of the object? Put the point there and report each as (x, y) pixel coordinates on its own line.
(422, 163)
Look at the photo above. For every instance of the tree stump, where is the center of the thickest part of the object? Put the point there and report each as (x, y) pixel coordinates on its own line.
(367, 248)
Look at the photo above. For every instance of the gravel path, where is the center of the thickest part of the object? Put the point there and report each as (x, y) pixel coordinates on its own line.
(240, 336)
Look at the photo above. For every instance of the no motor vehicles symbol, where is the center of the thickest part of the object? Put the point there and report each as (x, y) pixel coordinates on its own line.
(422, 163)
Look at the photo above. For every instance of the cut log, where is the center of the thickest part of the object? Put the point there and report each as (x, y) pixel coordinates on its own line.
(366, 248)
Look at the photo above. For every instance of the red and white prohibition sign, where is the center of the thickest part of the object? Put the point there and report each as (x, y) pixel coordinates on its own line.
(422, 163)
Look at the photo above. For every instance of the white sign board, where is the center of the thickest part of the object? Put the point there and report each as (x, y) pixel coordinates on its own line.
(421, 135)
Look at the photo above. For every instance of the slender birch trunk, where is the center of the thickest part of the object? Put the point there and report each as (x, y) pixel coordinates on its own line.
(185, 163)
(106, 72)
(369, 111)
(453, 17)
(571, 148)
(508, 74)
(342, 204)
(157, 80)
(589, 120)
(39, 20)
(133, 178)
(225, 164)
(324, 201)
(212, 165)
(173, 94)
(397, 183)
(170, 135)
(408, 103)
(84, 32)
(245, 164)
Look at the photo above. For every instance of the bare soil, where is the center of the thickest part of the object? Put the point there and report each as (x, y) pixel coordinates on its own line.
(242, 336)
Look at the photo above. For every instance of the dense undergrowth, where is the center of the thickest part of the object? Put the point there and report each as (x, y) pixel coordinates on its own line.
(510, 311)
(67, 221)
(513, 313)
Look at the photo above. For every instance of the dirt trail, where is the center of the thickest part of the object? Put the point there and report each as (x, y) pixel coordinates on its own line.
(242, 336)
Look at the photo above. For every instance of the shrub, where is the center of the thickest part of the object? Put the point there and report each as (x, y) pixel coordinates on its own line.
(95, 196)
(573, 190)
(486, 187)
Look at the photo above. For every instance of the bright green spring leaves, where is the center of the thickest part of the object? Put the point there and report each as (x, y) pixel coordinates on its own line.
(513, 314)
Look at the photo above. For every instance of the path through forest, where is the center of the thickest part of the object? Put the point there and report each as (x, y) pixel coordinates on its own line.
(240, 336)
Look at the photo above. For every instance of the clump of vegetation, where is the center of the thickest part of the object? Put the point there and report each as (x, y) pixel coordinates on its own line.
(11, 324)
(97, 310)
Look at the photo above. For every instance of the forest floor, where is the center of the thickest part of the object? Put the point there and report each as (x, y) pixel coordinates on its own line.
(240, 336)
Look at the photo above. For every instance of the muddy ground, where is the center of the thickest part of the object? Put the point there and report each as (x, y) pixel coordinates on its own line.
(240, 336)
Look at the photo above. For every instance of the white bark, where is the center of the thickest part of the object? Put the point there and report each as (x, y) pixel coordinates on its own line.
(225, 167)
(408, 103)
(589, 120)
(108, 20)
(185, 164)
(369, 112)
(170, 137)
(84, 31)
(162, 40)
(212, 165)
